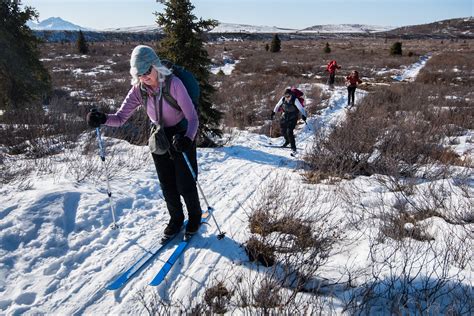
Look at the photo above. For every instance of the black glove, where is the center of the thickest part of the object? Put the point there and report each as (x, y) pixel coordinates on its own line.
(303, 117)
(95, 118)
(272, 115)
(182, 143)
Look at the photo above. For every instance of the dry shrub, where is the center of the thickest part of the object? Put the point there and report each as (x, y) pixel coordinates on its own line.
(399, 225)
(411, 278)
(444, 69)
(290, 231)
(418, 241)
(259, 222)
(217, 298)
(395, 131)
(260, 251)
(38, 133)
(263, 223)
(16, 172)
(267, 295)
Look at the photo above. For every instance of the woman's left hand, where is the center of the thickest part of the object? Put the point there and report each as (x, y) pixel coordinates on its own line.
(182, 143)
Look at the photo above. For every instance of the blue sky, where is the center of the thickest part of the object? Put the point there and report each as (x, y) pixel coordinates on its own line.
(291, 13)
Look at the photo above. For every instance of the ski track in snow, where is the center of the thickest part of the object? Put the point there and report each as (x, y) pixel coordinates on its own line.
(57, 252)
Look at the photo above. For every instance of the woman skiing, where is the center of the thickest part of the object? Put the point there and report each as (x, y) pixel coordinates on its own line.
(180, 126)
(352, 80)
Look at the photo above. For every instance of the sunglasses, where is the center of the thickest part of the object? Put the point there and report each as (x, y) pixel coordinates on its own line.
(146, 73)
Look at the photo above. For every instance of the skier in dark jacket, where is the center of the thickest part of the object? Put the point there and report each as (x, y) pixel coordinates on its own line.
(352, 80)
(148, 76)
(291, 106)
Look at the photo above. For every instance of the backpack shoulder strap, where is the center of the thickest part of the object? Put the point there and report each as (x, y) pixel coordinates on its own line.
(167, 95)
(144, 94)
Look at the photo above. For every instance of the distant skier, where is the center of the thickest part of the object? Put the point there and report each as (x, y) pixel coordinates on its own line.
(331, 67)
(352, 80)
(180, 126)
(291, 106)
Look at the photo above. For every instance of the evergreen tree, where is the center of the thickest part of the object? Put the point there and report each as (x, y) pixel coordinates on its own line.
(23, 79)
(275, 45)
(183, 45)
(82, 44)
(327, 49)
(396, 49)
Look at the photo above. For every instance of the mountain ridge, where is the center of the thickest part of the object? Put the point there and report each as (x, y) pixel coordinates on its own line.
(446, 29)
(55, 24)
(59, 24)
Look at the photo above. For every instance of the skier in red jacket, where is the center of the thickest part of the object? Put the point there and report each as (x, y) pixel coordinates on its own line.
(352, 80)
(331, 68)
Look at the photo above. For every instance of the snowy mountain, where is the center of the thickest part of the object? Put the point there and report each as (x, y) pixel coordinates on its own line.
(244, 28)
(256, 29)
(60, 24)
(345, 28)
(461, 27)
(55, 24)
(454, 27)
(134, 29)
(221, 28)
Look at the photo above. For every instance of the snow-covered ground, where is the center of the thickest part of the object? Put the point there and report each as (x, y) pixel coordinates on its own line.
(57, 252)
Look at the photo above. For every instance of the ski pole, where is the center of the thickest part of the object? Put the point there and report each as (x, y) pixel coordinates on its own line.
(307, 125)
(109, 192)
(221, 234)
(271, 130)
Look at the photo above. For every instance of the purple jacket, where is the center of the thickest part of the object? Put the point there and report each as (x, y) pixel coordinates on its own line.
(171, 116)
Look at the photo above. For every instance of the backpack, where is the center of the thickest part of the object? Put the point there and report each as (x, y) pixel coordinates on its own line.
(298, 94)
(331, 66)
(189, 81)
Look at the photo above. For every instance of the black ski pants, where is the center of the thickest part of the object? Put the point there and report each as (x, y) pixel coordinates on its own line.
(176, 180)
(287, 125)
(332, 78)
(351, 95)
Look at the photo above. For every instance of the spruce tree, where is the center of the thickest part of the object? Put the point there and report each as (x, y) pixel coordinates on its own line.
(396, 49)
(327, 49)
(81, 44)
(275, 45)
(23, 78)
(183, 45)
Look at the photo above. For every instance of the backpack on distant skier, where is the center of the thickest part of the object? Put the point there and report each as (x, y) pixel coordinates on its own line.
(332, 65)
(298, 94)
(189, 81)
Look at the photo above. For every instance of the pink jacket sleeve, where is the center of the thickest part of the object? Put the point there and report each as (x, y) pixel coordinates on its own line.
(131, 102)
(170, 116)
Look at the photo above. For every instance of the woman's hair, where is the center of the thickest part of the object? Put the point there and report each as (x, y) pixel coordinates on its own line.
(161, 70)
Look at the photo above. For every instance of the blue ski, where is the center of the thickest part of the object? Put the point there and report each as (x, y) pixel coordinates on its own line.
(127, 275)
(177, 253)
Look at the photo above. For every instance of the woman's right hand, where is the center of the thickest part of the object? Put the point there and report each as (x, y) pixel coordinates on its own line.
(95, 118)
